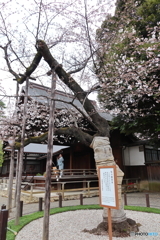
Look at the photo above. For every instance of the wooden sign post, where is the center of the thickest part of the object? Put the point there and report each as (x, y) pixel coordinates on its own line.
(108, 191)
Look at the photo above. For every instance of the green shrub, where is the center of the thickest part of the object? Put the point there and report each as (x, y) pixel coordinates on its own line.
(38, 174)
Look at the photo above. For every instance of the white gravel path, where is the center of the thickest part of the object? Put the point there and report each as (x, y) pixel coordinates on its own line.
(69, 226)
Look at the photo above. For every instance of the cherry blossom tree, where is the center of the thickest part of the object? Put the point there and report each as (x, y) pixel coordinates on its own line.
(129, 67)
(40, 42)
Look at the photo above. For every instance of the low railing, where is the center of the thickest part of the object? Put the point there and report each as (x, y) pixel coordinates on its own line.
(61, 187)
(86, 188)
(131, 185)
(75, 172)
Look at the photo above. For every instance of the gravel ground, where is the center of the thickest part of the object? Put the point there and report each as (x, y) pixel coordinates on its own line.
(69, 226)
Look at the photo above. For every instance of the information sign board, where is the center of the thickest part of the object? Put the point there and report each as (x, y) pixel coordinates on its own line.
(108, 186)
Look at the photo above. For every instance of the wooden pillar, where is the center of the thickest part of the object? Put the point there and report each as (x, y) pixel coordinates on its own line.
(60, 200)
(81, 199)
(17, 156)
(3, 223)
(49, 161)
(125, 199)
(21, 155)
(147, 200)
(40, 204)
(25, 163)
(17, 169)
(10, 184)
(21, 208)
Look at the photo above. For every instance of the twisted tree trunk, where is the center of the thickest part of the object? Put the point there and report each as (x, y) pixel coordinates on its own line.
(121, 225)
(104, 157)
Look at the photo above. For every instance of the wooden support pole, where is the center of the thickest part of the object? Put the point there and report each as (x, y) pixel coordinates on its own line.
(60, 200)
(125, 199)
(109, 224)
(21, 208)
(10, 184)
(63, 190)
(40, 204)
(49, 160)
(81, 199)
(17, 170)
(147, 200)
(19, 179)
(3, 223)
(17, 157)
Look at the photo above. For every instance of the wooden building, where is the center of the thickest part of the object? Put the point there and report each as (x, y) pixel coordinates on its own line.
(142, 160)
(136, 160)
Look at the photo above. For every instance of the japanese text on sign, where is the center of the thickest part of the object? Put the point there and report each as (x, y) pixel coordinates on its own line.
(107, 185)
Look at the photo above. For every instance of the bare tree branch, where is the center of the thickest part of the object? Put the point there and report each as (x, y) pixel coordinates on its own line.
(31, 68)
(80, 68)
(6, 34)
(7, 61)
(39, 19)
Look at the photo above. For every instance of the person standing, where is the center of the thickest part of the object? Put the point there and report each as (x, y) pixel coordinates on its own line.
(60, 164)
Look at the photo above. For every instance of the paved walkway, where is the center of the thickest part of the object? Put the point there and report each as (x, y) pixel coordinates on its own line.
(133, 199)
(34, 207)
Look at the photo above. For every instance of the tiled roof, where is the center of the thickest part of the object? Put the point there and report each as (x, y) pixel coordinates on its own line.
(41, 94)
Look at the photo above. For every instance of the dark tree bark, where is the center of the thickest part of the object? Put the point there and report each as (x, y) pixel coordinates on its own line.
(30, 69)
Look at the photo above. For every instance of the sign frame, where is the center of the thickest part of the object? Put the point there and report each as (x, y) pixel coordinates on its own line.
(113, 185)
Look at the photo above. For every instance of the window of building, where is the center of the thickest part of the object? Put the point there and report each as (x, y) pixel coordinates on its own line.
(152, 155)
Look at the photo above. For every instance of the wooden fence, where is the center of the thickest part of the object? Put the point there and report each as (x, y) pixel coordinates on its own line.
(61, 188)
